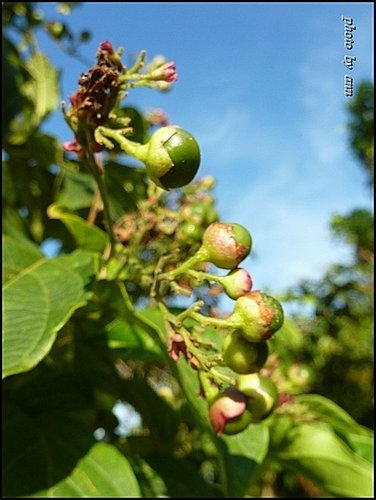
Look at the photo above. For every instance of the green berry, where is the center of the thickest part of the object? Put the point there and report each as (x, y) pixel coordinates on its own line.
(257, 315)
(226, 244)
(228, 412)
(242, 356)
(190, 231)
(261, 392)
(238, 424)
(173, 157)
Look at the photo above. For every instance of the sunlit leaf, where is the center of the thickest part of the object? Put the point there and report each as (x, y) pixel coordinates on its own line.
(87, 236)
(317, 453)
(38, 302)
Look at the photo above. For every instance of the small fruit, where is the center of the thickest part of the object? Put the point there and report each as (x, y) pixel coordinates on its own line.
(226, 244)
(242, 356)
(190, 231)
(261, 392)
(237, 283)
(228, 412)
(173, 157)
(257, 315)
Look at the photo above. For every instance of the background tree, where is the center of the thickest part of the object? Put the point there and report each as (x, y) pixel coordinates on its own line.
(339, 334)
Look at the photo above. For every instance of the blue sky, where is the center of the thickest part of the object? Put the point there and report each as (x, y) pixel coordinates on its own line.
(261, 88)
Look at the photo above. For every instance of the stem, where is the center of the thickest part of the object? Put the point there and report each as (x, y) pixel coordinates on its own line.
(139, 151)
(138, 64)
(191, 347)
(188, 312)
(199, 256)
(98, 175)
(201, 275)
(215, 322)
(207, 386)
(94, 208)
(150, 327)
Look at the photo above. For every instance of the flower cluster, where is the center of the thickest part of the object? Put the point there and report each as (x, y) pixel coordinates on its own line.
(100, 90)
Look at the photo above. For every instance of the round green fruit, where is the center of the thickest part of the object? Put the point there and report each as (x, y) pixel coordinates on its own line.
(238, 424)
(261, 392)
(257, 315)
(228, 412)
(173, 157)
(242, 356)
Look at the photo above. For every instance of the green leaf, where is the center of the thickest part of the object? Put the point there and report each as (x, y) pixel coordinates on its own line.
(102, 472)
(241, 455)
(42, 450)
(38, 302)
(87, 236)
(358, 437)
(288, 340)
(134, 342)
(314, 451)
(180, 477)
(55, 455)
(13, 224)
(362, 445)
(331, 413)
(41, 89)
(126, 186)
(14, 101)
(77, 191)
(17, 255)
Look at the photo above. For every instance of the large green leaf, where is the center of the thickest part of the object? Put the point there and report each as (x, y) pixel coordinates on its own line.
(102, 472)
(330, 412)
(317, 453)
(241, 455)
(38, 302)
(13, 102)
(133, 341)
(77, 191)
(17, 255)
(180, 478)
(358, 437)
(126, 187)
(42, 450)
(41, 89)
(87, 236)
(55, 455)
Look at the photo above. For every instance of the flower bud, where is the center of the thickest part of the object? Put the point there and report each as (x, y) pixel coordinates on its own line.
(242, 356)
(237, 283)
(262, 395)
(176, 345)
(226, 244)
(166, 72)
(172, 158)
(257, 315)
(228, 412)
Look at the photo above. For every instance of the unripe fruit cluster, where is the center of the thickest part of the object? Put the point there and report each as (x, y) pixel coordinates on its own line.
(252, 400)
(255, 318)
